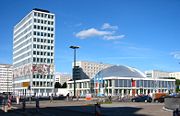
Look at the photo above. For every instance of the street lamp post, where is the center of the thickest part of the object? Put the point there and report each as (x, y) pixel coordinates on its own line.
(74, 78)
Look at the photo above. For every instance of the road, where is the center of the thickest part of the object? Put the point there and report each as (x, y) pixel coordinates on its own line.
(84, 108)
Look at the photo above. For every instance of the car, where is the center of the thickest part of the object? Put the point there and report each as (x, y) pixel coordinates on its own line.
(160, 99)
(143, 98)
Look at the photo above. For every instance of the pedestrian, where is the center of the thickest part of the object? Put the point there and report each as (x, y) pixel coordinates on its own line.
(24, 104)
(110, 98)
(67, 97)
(51, 98)
(37, 104)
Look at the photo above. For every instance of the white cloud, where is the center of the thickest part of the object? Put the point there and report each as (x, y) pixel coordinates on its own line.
(176, 54)
(113, 37)
(107, 32)
(108, 26)
(92, 32)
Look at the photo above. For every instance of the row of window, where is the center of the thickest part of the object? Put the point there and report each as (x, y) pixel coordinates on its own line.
(22, 38)
(43, 34)
(42, 40)
(43, 28)
(24, 55)
(43, 76)
(25, 49)
(42, 84)
(25, 61)
(42, 60)
(42, 53)
(23, 32)
(43, 21)
(43, 47)
(43, 15)
(23, 26)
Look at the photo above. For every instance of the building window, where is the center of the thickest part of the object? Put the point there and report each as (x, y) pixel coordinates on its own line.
(34, 59)
(52, 35)
(34, 32)
(38, 33)
(34, 45)
(48, 54)
(48, 60)
(52, 17)
(34, 39)
(51, 60)
(34, 52)
(51, 41)
(41, 60)
(37, 59)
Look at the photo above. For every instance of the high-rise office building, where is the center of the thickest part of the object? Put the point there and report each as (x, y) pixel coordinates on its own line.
(6, 78)
(33, 53)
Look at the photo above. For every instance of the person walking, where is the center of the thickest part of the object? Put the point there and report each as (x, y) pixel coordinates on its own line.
(37, 104)
(51, 98)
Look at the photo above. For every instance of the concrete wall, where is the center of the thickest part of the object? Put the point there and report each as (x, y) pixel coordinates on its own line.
(172, 103)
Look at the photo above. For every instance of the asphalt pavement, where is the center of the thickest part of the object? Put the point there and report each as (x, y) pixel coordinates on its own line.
(87, 108)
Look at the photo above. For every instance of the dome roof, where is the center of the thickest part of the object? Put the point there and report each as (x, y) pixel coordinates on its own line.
(120, 71)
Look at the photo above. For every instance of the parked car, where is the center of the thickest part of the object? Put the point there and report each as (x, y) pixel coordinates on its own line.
(143, 98)
(160, 99)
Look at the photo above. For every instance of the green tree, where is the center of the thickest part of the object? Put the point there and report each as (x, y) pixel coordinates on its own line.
(57, 85)
(64, 85)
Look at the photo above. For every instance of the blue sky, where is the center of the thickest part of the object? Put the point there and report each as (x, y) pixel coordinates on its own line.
(140, 33)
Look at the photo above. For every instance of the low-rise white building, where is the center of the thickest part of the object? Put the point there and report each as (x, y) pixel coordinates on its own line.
(175, 75)
(121, 81)
(6, 78)
(62, 77)
(157, 74)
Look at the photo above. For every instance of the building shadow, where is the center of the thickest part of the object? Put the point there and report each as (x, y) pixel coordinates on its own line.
(73, 111)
